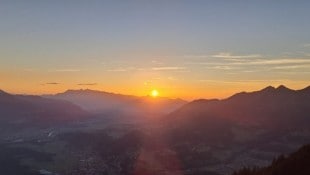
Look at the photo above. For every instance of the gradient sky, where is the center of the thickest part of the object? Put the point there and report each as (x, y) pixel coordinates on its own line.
(189, 49)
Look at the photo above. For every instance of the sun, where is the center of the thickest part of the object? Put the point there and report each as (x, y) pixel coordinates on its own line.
(154, 93)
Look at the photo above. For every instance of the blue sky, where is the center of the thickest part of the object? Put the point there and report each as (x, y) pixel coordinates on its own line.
(174, 45)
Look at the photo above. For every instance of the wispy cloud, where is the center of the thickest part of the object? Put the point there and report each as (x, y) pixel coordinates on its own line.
(273, 61)
(28, 70)
(146, 83)
(292, 66)
(255, 64)
(51, 83)
(196, 56)
(207, 63)
(122, 69)
(228, 55)
(117, 70)
(87, 84)
(245, 81)
(156, 62)
(168, 68)
(66, 70)
(307, 45)
(223, 67)
(171, 78)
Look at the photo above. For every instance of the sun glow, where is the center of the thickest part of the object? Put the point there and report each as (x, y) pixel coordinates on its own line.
(154, 93)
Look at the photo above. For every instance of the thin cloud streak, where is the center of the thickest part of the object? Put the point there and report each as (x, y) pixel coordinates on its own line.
(168, 68)
(28, 70)
(196, 56)
(273, 62)
(292, 67)
(231, 56)
(307, 45)
(66, 70)
(87, 84)
(122, 69)
(52, 83)
(222, 67)
(117, 70)
(249, 81)
(241, 65)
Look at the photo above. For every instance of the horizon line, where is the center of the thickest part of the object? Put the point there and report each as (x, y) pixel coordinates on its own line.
(116, 93)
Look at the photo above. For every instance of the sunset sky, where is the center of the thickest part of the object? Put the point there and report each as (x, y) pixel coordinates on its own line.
(187, 49)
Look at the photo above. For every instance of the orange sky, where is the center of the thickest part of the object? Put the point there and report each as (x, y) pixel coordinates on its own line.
(200, 49)
(33, 82)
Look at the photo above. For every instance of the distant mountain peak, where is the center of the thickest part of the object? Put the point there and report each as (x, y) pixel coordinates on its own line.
(282, 87)
(96, 101)
(268, 89)
(279, 89)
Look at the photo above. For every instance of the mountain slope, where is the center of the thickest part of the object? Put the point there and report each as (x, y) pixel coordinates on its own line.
(246, 129)
(22, 109)
(273, 107)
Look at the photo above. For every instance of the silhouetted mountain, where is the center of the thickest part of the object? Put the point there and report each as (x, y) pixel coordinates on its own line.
(295, 163)
(105, 102)
(22, 109)
(274, 107)
(95, 101)
(246, 129)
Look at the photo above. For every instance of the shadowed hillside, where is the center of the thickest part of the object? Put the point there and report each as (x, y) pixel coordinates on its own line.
(33, 110)
(248, 128)
(271, 107)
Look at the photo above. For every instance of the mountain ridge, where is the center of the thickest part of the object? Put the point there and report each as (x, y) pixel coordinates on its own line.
(35, 108)
(106, 102)
(263, 106)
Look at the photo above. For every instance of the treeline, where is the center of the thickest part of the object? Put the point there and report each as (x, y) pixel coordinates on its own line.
(297, 163)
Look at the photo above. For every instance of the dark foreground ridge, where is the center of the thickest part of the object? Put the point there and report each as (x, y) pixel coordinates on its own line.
(295, 163)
